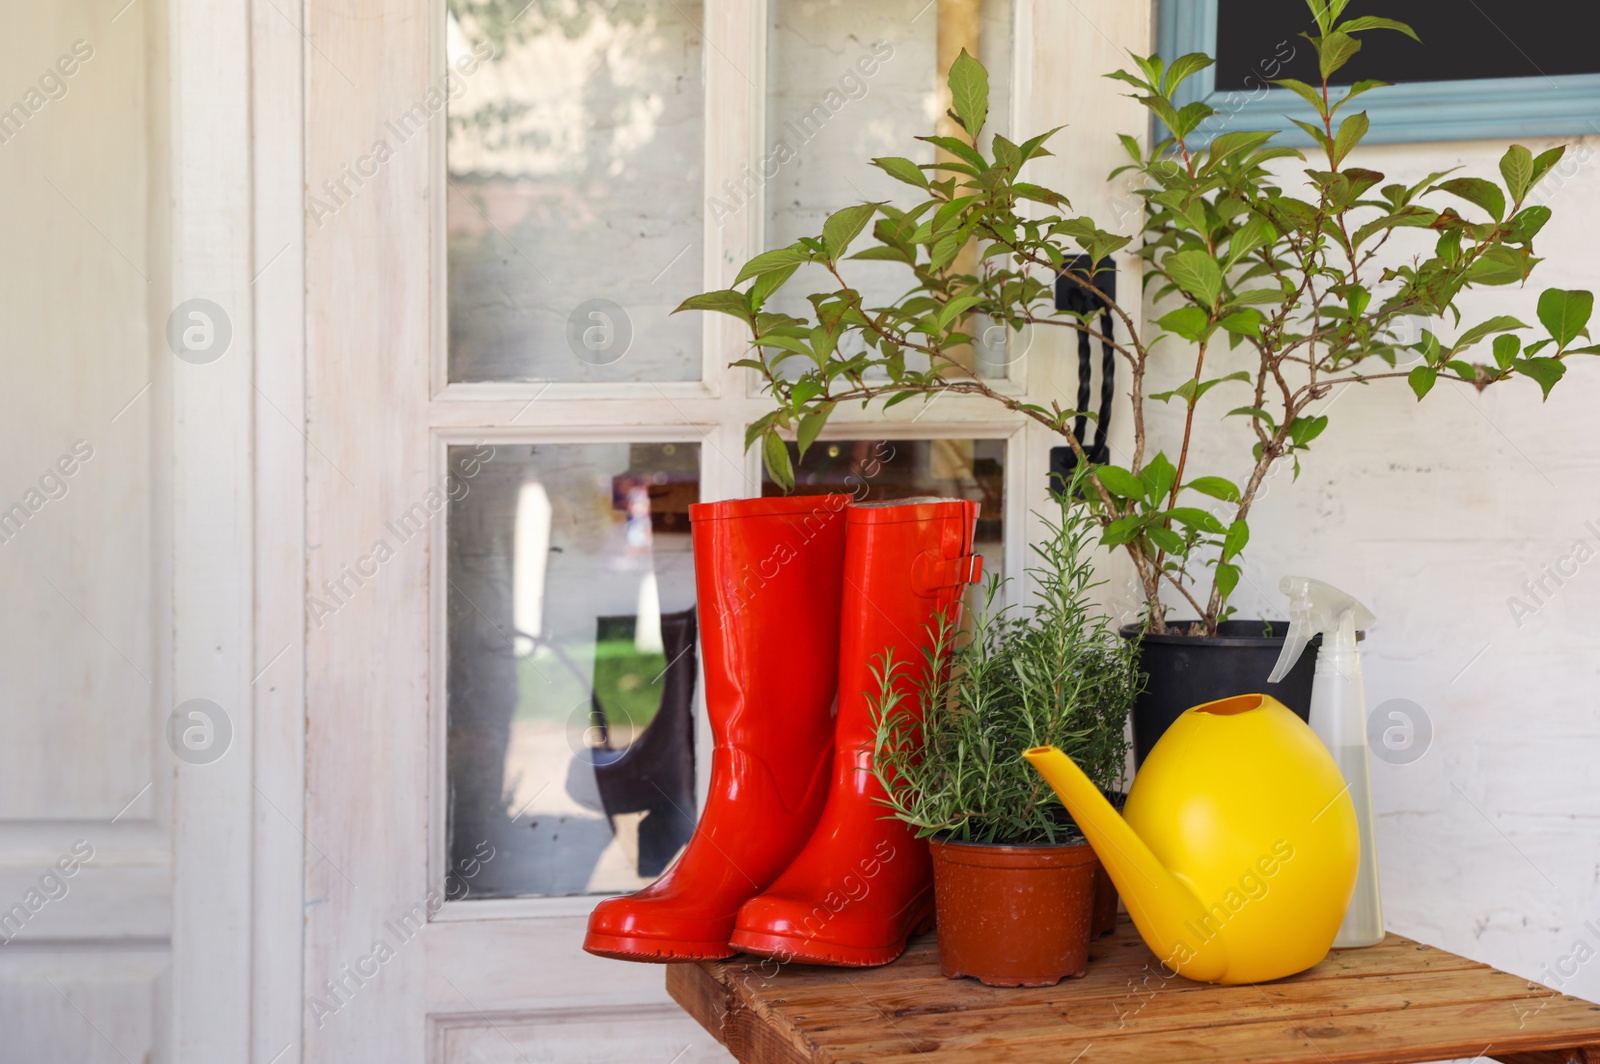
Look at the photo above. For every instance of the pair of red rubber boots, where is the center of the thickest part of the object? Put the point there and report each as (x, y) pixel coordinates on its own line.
(793, 857)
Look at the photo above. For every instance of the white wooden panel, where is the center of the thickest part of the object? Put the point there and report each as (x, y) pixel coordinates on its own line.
(91, 1006)
(211, 506)
(580, 1036)
(77, 658)
(278, 270)
(502, 965)
(367, 347)
(104, 903)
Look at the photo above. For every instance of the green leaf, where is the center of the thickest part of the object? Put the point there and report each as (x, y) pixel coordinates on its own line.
(725, 301)
(1184, 67)
(776, 458)
(772, 260)
(1197, 273)
(1516, 166)
(1498, 324)
(1158, 478)
(1191, 390)
(882, 253)
(810, 425)
(1547, 371)
(954, 309)
(1119, 481)
(1302, 430)
(1349, 134)
(1189, 322)
(1190, 116)
(1254, 233)
(1565, 314)
(1476, 190)
(1334, 51)
(1229, 144)
(1216, 487)
(1368, 22)
(1227, 580)
(1365, 85)
(1526, 223)
(1257, 413)
(758, 427)
(960, 149)
(1544, 161)
(1238, 536)
(844, 226)
(1122, 530)
(1311, 95)
(1196, 518)
(1421, 379)
(768, 283)
(1007, 154)
(1499, 265)
(1167, 540)
(1506, 347)
(1245, 322)
(969, 92)
(902, 170)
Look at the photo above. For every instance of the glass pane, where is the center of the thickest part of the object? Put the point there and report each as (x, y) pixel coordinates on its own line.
(574, 207)
(572, 666)
(880, 470)
(847, 83)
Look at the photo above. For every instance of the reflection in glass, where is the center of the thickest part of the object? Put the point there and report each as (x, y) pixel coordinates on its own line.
(883, 470)
(572, 668)
(574, 206)
(850, 82)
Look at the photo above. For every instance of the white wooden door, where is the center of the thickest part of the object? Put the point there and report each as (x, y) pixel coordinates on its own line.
(505, 427)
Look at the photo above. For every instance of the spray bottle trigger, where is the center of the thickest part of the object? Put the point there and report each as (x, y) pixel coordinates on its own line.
(1293, 645)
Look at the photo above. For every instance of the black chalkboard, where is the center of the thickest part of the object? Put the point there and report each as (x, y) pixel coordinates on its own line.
(1460, 39)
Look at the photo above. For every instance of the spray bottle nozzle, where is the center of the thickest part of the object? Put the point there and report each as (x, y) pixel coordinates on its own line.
(1318, 607)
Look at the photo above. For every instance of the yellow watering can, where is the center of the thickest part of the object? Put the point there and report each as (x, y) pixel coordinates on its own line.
(1237, 853)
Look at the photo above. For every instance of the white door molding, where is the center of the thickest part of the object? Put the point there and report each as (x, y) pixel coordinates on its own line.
(211, 505)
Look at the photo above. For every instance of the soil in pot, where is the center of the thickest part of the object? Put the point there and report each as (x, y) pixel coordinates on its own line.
(1185, 671)
(1014, 915)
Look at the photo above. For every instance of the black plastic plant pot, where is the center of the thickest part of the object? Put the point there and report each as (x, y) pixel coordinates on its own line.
(1187, 670)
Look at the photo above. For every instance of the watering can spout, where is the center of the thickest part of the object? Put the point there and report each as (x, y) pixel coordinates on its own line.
(1165, 910)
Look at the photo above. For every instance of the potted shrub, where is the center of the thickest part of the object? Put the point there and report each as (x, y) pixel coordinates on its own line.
(1300, 273)
(1014, 880)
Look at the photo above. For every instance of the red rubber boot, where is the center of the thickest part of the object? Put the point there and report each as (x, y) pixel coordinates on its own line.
(864, 884)
(767, 578)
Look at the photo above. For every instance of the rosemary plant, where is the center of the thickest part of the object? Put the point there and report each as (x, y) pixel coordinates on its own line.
(949, 751)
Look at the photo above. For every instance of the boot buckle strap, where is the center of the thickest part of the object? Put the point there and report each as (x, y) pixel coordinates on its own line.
(932, 573)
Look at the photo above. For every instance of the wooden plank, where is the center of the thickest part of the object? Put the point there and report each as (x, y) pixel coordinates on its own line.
(1398, 1001)
(701, 994)
(749, 1032)
(1424, 1034)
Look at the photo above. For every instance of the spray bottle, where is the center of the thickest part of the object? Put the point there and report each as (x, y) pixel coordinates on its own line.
(1339, 717)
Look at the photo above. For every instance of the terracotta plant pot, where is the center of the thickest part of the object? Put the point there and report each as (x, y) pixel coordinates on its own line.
(1013, 915)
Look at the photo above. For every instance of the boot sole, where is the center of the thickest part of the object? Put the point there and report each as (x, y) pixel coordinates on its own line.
(655, 950)
(793, 948)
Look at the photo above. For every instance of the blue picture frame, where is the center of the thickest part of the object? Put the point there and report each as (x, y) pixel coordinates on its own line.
(1469, 109)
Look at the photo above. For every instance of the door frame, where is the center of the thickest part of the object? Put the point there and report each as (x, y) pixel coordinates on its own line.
(378, 415)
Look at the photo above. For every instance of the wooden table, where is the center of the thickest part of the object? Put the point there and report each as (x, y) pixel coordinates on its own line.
(1398, 1001)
